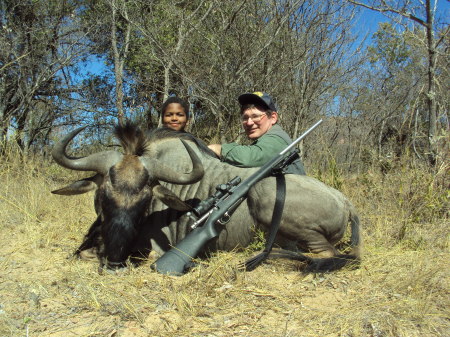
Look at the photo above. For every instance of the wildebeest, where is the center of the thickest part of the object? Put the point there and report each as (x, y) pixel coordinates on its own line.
(143, 193)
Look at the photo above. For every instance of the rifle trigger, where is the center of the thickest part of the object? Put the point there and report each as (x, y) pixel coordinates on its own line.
(224, 219)
(227, 215)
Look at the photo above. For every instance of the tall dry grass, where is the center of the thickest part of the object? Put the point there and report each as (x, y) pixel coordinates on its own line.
(401, 289)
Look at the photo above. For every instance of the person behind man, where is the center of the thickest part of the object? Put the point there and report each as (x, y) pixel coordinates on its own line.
(175, 113)
(259, 118)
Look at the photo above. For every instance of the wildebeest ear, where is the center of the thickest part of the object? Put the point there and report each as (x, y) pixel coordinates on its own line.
(169, 198)
(80, 186)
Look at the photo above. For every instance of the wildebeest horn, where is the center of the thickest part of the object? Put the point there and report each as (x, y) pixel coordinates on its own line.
(164, 173)
(98, 162)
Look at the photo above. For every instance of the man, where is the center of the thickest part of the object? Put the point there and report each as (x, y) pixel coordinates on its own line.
(259, 118)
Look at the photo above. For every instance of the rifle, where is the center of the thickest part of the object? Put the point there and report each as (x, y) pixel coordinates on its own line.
(217, 210)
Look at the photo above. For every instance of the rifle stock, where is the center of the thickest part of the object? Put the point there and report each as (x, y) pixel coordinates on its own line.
(177, 259)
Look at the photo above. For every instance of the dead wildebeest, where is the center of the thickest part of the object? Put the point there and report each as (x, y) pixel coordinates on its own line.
(142, 196)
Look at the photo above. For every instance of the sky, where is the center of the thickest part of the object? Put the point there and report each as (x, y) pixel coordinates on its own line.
(370, 19)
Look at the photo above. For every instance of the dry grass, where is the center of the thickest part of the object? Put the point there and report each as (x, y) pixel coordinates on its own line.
(401, 289)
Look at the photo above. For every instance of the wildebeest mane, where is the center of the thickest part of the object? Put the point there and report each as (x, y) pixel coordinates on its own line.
(166, 133)
(131, 138)
(135, 142)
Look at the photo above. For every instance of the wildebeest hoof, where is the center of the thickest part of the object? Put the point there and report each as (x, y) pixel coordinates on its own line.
(89, 254)
(113, 268)
(332, 263)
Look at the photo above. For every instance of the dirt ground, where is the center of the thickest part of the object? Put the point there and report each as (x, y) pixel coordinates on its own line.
(401, 289)
(45, 293)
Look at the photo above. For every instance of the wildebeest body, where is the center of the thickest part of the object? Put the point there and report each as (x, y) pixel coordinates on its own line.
(315, 215)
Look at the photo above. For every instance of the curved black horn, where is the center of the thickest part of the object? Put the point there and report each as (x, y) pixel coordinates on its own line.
(164, 173)
(98, 162)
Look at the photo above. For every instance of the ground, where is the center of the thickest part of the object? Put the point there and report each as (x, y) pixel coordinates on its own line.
(401, 288)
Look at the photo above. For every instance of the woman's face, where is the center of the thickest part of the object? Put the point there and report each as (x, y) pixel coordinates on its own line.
(175, 117)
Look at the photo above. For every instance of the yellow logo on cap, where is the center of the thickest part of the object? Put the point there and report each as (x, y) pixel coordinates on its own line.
(258, 93)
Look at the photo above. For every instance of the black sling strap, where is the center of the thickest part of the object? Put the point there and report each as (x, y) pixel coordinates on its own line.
(255, 261)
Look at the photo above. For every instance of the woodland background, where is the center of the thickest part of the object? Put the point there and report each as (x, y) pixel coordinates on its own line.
(380, 98)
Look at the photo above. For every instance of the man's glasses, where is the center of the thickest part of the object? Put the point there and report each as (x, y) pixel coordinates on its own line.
(255, 118)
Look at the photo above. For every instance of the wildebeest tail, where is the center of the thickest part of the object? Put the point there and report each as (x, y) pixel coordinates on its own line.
(355, 238)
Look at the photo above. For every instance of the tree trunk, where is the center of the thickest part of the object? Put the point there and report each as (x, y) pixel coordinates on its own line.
(431, 96)
(167, 85)
(119, 58)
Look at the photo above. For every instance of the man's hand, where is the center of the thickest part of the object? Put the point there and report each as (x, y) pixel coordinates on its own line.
(216, 148)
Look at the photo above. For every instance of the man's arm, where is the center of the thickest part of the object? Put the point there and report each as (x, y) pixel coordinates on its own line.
(254, 155)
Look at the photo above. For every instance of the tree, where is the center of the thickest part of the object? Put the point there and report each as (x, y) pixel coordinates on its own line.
(102, 16)
(423, 14)
(164, 28)
(39, 42)
(393, 87)
(119, 48)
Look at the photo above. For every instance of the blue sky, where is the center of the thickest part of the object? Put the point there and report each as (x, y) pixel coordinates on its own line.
(370, 19)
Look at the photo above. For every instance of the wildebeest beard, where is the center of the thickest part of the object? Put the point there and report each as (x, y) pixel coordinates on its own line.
(121, 218)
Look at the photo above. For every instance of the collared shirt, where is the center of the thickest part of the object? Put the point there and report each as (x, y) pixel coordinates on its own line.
(261, 151)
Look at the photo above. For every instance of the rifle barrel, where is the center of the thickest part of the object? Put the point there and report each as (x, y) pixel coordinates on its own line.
(295, 142)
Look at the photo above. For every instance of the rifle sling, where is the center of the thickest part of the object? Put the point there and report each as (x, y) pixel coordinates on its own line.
(255, 261)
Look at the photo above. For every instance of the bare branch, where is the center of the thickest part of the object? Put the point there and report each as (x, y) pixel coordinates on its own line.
(387, 9)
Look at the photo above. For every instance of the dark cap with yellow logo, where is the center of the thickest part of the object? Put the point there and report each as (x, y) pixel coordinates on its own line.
(258, 98)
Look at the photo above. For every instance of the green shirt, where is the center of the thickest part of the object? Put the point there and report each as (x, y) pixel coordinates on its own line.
(261, 151)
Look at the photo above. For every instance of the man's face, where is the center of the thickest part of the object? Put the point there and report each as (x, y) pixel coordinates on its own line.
(256, 122)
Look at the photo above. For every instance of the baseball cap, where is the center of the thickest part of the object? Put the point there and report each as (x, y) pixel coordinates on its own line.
(258, 98)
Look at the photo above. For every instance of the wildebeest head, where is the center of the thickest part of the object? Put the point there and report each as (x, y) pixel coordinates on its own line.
(125, 182)
(126, 173)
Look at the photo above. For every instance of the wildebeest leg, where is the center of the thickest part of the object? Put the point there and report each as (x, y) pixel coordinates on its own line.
(286, 244)
(318, 244)
(328, 258)
(92, 240)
